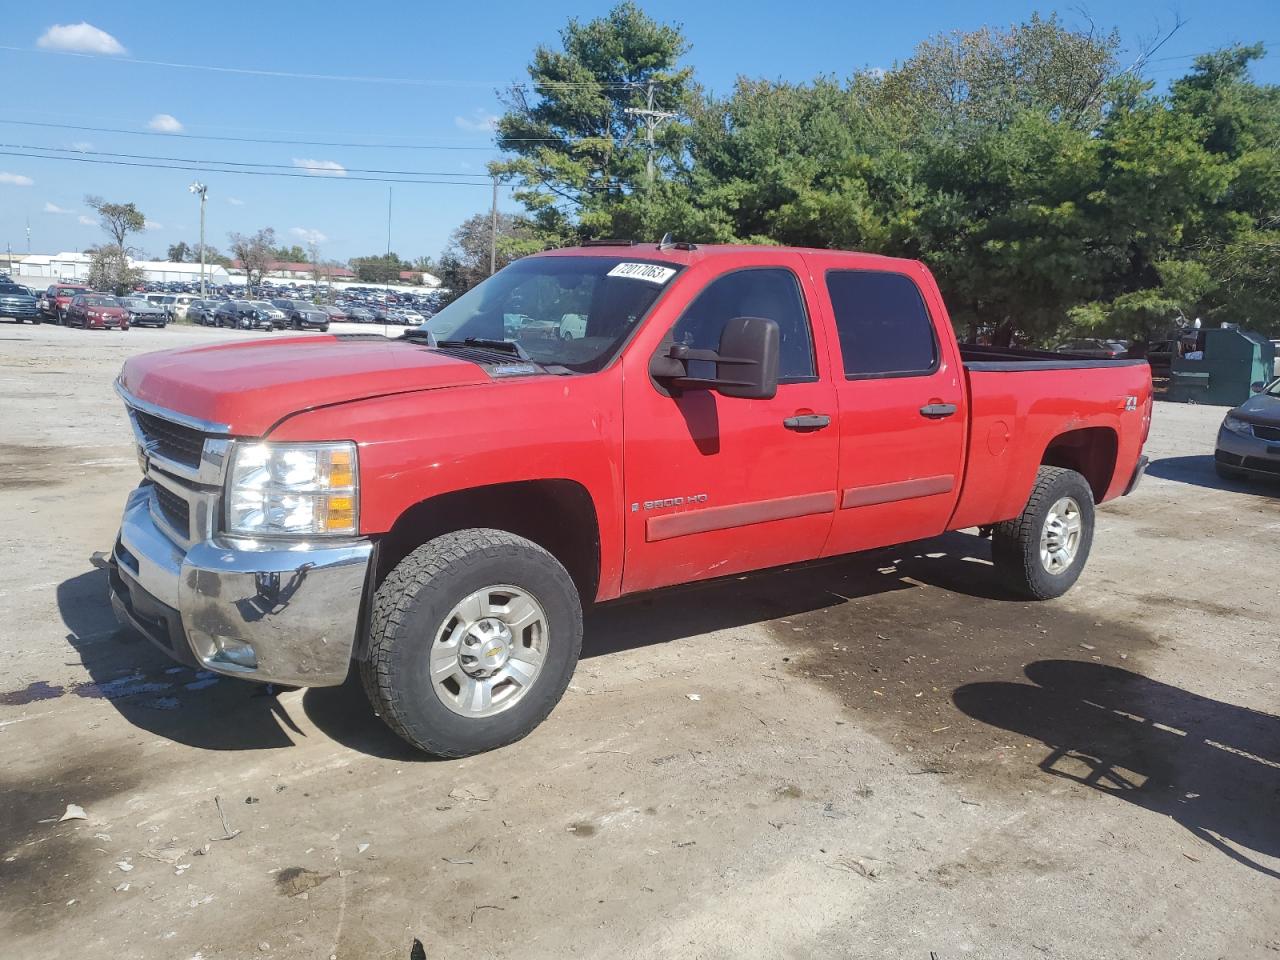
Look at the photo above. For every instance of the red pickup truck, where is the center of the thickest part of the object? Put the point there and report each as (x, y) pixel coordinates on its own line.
(585, 424)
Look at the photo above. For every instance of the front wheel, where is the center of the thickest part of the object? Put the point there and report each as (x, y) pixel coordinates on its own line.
(473, 639)
(1041, 553)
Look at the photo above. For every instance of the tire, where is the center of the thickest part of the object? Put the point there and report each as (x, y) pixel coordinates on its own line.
(1228, 473)
(1016, 545)
(414, 606)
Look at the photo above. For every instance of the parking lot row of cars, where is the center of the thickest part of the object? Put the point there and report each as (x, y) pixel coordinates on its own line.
(76, 304)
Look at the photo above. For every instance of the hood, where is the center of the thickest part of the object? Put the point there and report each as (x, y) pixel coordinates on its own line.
(1260, 409)
(250, 386)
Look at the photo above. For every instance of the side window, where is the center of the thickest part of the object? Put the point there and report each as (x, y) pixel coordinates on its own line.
(772, 293)
(883, 324)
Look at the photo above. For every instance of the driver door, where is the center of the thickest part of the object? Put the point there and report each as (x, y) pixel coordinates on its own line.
(717, 485)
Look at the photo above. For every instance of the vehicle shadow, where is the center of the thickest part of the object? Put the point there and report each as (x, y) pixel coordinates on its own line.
(212, 712)
(957, 562)
(1199, 471)
(1210, 766)
(153, 693)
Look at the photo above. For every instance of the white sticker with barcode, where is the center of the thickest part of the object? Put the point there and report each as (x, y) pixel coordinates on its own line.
(643, 271)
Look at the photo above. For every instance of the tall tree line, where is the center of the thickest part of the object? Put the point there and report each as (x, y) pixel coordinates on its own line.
(1052, 189)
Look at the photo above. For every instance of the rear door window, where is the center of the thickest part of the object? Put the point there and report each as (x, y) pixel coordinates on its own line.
(883, 324)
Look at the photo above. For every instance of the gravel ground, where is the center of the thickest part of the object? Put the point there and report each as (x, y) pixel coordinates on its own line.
(888, 758)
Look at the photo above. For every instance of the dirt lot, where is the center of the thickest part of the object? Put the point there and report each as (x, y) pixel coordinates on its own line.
(887, 759)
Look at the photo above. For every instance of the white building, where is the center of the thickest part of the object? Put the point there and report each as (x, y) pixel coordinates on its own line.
(61, 266)
(75, 266)
(162, 271)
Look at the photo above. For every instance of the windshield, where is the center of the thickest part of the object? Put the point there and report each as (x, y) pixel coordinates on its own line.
(1274, 389)
(99, 302)
(11, 288)
(135, 304)
(564, 311)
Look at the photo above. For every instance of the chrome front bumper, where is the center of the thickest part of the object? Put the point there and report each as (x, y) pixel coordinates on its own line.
(264, 610)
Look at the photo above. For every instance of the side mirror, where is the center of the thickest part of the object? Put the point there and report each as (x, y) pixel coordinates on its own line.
(1257, 387)
(746, 365)
(748, 362)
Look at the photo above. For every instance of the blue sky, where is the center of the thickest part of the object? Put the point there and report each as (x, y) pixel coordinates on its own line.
(456, 56)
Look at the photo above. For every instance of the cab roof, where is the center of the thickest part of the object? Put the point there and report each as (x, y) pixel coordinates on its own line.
(689, 254)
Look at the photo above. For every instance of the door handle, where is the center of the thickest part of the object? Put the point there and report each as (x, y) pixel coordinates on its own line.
(808, 421)
(937, 411)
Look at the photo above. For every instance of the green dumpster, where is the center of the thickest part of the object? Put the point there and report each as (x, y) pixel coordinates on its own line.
(1225, 368)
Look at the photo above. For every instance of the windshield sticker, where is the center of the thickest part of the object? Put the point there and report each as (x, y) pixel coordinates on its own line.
(650, 272)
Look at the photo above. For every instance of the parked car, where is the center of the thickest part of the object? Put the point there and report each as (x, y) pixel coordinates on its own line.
(96, 311)
(360, 315)
(277, 316)
(242, 315)
(1249, 438)
(57, 298)
(301, 315)
(201, 311)
(1096, 349)
(334, 312)
(143, 313)
(723, 412)
(181, 304)
(17, 303)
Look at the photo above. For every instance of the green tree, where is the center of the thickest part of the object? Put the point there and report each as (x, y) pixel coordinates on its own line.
(577, 157)
(110, 270)
(256, 253)
(466, 262)
(117, 219)
(290, 254)
(379, 268)
(180, 253)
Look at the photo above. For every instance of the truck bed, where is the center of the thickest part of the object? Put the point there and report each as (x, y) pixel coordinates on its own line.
(1029, 407)
(1008, 359)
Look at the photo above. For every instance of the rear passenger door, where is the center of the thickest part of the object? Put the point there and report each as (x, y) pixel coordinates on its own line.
(900, 394)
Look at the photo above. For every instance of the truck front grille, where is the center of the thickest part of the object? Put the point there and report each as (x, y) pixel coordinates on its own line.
(172, 440)
(1266, 433)
(174, 509)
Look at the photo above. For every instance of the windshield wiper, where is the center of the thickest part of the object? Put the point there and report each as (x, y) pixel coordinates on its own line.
(504, 346)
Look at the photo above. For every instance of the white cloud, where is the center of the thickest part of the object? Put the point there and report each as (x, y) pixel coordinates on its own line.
(82, 145)
(480, 121)
(235, 201)
(87, 221)
(321, 168)
(80, 38)
(165, 123)
(308, 236)
(51, 207)
(876, 73)
(152, 225)
(16, 180)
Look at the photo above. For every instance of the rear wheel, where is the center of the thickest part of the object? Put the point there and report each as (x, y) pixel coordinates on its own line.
(1041, 553)
(473, 639)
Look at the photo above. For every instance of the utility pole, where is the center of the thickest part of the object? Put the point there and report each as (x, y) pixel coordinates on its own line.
(388, 221)
(652, 120)
(200, 190)
(28, 236)
(493, 231)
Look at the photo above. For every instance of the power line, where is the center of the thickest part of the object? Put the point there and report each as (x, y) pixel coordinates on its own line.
(287, 75)
(233, 163)
(266, 140)
(320, 175)
(254, 173)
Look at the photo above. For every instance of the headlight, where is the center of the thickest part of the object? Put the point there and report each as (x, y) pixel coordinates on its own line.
(1236, 425)
(293, 489)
